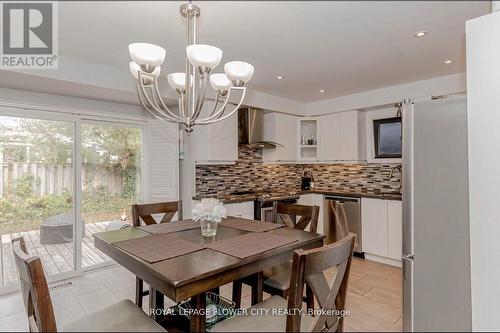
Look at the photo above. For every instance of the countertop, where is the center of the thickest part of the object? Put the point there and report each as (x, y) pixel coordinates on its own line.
(250, 197)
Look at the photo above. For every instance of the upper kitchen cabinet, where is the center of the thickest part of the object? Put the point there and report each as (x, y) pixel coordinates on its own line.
(341, 137)
(352, 136)
(307, 145)
(280, 128)
(217, 142)
(329, 137)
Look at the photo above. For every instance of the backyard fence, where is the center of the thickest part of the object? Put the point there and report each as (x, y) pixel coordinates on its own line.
(55, 179)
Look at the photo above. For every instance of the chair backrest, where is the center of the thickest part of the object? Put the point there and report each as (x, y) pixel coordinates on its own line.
(34, 289)
(144, 211)
(339, 229)
(287, 214)
(310, 266)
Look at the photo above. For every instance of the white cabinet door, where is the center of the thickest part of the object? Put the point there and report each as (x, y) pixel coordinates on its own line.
(282, 129)
(314, 199)
(374, 224)
(216, 142)
(394, 229)
(329, 137)
(240, 209)
(286, 134)
(349, 138)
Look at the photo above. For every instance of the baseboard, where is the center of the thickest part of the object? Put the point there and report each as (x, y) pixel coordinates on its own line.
(383, 260)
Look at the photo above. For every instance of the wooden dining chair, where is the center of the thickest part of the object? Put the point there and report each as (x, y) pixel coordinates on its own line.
(314, 267)
(143, 213)
(122, 316)
(276, 280)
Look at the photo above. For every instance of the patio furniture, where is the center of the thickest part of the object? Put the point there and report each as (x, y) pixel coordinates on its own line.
(121, 316)
(58, 229)
(276, 314)
(117, 225)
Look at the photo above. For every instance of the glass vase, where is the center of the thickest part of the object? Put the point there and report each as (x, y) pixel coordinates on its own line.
(208, 228)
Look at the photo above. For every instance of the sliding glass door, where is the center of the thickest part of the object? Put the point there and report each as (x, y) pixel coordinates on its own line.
(40, 199)
(37, 193)
(111, 173)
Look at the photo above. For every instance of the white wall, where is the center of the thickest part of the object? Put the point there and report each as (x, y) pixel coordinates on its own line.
(417, 91)
(483, 85)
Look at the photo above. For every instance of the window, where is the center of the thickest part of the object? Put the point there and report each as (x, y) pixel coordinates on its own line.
(387, 137)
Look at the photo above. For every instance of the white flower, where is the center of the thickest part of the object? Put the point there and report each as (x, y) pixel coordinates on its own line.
(209, 209)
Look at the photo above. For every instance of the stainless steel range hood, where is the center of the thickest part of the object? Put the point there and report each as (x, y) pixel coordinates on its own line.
(251, 129)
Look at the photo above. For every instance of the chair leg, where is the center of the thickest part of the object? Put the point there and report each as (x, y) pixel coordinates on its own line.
(309, 298)
(139, 285)
(257, 288)
(237, 293)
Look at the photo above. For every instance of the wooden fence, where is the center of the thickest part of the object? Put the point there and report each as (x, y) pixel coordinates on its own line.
(54, 179)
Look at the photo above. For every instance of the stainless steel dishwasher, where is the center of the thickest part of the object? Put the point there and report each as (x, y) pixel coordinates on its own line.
(336, 210)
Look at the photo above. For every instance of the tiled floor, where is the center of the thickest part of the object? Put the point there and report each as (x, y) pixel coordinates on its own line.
(374, 297)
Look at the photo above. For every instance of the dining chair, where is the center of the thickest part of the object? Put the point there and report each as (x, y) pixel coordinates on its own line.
(326, 269)
(143, 213)
(276, 280)
(121, 316)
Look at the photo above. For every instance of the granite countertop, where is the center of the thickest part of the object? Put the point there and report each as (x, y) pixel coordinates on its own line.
(251, 197)
(373, 195)
(230, 198)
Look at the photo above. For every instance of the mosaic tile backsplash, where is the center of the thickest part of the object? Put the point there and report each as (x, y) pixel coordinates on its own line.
(251, 174)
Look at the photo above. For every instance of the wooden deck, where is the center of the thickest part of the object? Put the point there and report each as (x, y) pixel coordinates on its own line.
(56, 258)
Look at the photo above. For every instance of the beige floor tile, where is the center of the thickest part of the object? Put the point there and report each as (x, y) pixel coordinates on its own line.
(383, 296)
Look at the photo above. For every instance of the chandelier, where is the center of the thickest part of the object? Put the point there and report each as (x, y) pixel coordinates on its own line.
(191, 86)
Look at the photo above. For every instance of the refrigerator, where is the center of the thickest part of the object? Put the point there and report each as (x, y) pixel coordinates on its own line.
(436, 254)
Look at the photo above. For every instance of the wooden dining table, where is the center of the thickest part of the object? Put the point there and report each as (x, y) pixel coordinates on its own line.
(193, 274)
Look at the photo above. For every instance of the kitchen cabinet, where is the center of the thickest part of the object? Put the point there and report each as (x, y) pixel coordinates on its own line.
(341, 137)
(382, 222)
(240, 209)
(217, 142)
(307, 145)
(352, 136)
(374, 226)
(394, 229)
(329, 137)
(282, 129)
(316, 200)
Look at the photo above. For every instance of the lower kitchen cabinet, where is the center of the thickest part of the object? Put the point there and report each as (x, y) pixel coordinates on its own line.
(394, 229)
(314, 199)
(382, 222)
(240, 209)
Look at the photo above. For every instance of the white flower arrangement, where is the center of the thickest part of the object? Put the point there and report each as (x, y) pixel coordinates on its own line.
(209, 209)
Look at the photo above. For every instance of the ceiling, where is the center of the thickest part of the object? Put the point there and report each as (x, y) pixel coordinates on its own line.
(341, 47)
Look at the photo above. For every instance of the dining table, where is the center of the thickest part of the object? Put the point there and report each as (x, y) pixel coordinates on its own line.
(178, 262)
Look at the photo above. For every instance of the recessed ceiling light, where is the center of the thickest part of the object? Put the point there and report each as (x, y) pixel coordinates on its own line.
(448, 61)
(420, 34)
(322, 90)
(279, 77)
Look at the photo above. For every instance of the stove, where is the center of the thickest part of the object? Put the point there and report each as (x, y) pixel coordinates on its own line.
(263, 204)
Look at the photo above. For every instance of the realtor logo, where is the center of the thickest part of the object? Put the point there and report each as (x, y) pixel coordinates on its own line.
(29, 35)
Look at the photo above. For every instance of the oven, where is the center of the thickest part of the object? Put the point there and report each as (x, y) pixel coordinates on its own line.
(263, 207)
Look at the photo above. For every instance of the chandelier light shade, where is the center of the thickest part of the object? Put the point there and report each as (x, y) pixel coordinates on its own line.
(190, 86)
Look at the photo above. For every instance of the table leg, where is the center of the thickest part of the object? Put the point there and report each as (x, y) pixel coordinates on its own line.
(198, 317)
(258, 288)
(156, 301)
